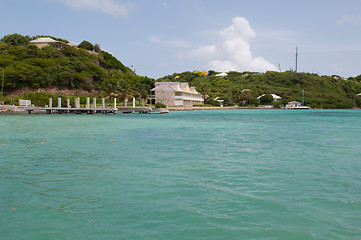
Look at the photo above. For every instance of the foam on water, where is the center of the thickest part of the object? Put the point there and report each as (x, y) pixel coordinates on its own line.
(232, 174)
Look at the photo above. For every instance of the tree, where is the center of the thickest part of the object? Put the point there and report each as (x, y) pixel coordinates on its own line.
(254, 102)
(245, 98)
(266, 99)
(97, 48)
(112, 62)
(86, 45)
(16, 39)
(200, 73)
(236, 94)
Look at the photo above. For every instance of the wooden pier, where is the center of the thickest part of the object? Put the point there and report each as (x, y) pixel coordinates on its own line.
(87, 109)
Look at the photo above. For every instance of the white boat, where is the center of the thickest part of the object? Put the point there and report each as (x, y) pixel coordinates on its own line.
(297, 105)
(300, 107)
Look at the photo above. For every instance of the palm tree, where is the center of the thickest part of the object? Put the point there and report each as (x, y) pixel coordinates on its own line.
(125, 93)
(144, 94)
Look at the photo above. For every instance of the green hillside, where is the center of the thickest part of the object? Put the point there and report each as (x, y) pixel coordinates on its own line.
(86, 68)
(32, 72)
(244, 88)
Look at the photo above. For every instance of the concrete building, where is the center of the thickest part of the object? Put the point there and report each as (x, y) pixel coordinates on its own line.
(175, 94)
(293, 104)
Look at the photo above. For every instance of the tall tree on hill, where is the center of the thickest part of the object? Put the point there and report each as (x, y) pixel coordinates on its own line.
(97, 48)
(16, 39)
(86, 45)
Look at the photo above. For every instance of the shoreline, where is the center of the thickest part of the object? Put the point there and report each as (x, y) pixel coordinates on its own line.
(215, 108)
(10, 109)
(199, 108)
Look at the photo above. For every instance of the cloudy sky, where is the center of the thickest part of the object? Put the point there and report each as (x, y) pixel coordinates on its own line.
(160, 37)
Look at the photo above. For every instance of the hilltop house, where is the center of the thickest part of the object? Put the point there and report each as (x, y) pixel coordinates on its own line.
(175, 94)
(46, 41)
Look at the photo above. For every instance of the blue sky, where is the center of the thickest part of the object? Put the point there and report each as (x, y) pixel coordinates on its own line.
(161, 37)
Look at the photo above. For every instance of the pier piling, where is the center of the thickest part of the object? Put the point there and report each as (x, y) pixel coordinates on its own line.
(93, 109)
(87, 102)
(68, 105)
(77, 103)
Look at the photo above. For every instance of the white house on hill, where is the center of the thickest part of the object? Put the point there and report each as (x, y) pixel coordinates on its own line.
(222, 75)
(46, 41)
(275, 97)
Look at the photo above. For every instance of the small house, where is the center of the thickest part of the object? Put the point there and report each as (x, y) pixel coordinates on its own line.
(293, 104)
(221, 102)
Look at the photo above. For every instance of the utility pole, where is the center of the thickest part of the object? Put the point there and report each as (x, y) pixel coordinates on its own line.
(296, 59)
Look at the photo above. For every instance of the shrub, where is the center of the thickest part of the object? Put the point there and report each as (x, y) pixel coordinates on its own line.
(16, 39)
(86, 45)
(358, 102)
(97, 48)
(39, 98)
(254, 102)
(266, 99)
(160, 105)
(215, 103)
(277, 104)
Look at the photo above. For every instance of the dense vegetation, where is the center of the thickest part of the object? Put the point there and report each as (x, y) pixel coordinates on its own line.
(86, 68)
(93, 71)
(244, 88)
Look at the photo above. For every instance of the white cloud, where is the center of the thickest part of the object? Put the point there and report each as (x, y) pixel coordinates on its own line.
(354, 20)
(233, 51)
(111, 7)
(169, 43)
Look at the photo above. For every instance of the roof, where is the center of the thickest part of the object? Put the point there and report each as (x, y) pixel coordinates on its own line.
(73, 44)
(294, 102)
(44, 40)
(163, 86)
(274, 96)
(223, 74)
(174, 86)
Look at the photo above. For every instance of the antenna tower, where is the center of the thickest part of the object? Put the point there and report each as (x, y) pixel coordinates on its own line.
(296, 59)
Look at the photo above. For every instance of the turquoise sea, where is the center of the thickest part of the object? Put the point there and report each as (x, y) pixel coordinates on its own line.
(226, 174)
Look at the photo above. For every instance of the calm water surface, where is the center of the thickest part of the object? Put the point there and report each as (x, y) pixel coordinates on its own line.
(232, 174)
